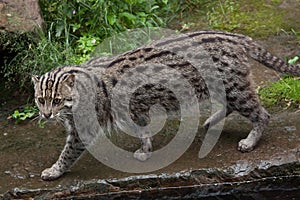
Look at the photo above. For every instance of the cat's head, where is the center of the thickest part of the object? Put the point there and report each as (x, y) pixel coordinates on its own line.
(53, 94)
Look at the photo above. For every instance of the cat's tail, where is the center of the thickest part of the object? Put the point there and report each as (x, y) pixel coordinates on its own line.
(260, 54)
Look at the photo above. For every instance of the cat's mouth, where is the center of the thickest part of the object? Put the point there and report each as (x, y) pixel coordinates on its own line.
(49, 116)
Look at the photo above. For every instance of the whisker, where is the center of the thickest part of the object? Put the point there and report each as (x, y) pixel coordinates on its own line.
(60, 120)
(61, 123)
(35, 118)
(67, 113)
(41, 121)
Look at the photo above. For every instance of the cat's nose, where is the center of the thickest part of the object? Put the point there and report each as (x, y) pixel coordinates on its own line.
(47, 115)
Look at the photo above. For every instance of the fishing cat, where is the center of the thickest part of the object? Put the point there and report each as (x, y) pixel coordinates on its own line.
(228, 53)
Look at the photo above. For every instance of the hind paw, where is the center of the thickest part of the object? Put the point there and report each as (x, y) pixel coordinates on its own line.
(51, 174)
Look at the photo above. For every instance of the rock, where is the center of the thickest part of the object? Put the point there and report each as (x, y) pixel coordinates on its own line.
(7, 172)
(19, 15)
(20, 177)
(31, 175)
(290, 128)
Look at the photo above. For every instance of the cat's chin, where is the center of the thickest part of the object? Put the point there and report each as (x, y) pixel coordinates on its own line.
(52, 119)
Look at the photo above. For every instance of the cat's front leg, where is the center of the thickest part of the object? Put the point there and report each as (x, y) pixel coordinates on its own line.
(71, 152)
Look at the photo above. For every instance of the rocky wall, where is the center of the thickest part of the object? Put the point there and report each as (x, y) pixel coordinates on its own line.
(20, 15)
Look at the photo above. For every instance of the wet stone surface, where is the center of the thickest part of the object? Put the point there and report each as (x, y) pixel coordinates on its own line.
(27, 149)
(272, 168)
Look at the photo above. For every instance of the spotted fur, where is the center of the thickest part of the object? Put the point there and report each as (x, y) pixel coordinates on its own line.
(55, 95)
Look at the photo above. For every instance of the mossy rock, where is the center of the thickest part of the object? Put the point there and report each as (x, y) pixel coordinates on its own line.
(258, 18)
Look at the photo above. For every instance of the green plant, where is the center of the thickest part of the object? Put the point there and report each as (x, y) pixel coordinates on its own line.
(35, 56)
(85, 45)
(73, 28)
(248, 17)
(297, 34)
(15, 46)
(27, 112)
(224, 15)
(76, 23)
(286, 91)
(293, 61)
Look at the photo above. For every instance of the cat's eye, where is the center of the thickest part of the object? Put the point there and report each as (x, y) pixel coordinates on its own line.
(41, 100)
(56, 101)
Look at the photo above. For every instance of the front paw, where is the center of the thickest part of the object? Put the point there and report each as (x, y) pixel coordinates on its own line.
(246, 145)
(50, 174)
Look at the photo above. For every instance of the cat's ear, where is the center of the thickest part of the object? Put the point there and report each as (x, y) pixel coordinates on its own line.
(69, 80)
(35, 79)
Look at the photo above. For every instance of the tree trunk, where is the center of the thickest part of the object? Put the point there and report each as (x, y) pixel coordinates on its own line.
(19, 15)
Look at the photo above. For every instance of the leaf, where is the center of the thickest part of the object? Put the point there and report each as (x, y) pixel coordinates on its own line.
(23, 117)
(154, 8)
(16, 114)
(59, 28)
(128, 15)
(30, 114)
(130, 2)
(293, 61)
(75, 27)
(112, 19)
(142, 14)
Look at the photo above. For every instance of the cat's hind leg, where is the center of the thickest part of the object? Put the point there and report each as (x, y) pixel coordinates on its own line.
(260, 119)
(251, 109)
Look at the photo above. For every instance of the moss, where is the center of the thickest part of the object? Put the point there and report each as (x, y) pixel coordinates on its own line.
(263, 19)
(285, 92)
(255, 18)
(258, 18)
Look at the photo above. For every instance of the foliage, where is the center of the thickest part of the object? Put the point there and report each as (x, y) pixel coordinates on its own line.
(286, 91)
(13, 44)
(292, 61)
(34, 56)
(248, 17)
(223, 15)
(83, 24)
(72, 31)
(27, 112)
